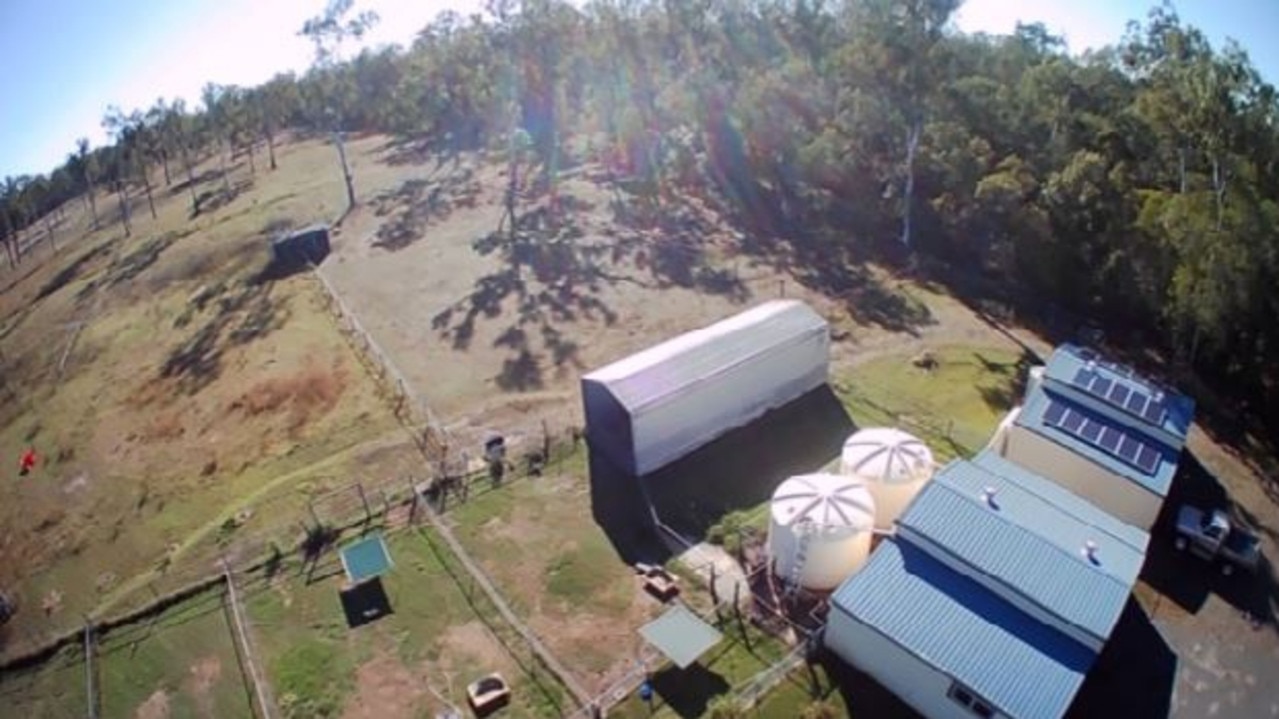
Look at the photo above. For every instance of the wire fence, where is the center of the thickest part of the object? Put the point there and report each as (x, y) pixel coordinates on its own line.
(407, 404)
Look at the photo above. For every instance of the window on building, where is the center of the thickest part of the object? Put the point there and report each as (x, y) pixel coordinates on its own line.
(964, 697)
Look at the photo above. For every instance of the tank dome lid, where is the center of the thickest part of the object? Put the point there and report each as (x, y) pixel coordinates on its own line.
(825, 500)
(886, 454)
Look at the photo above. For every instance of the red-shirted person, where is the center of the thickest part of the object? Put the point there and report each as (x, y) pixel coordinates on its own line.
(27, 462)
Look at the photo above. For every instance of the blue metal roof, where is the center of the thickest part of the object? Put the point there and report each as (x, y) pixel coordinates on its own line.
(1061, 499)
(1023, 549)
(1032, 417)
(1022, 667)
(1067, 361)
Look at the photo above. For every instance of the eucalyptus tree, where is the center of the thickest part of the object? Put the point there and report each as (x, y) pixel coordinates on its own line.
(328, 32)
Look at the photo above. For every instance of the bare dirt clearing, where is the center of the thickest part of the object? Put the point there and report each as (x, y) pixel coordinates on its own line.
(386, 689)
(155, 707)
(492, 329)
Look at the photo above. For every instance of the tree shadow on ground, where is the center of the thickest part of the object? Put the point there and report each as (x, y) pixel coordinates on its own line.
(128, 267)
(1010, 379)
(671, 241)
(239, 315)
(200, 179)
(553, 275)
(824, 262)
(1186, 579)
(418, 203)
(400, 151)
(1135, 674)
(73, 271)
(215, 199)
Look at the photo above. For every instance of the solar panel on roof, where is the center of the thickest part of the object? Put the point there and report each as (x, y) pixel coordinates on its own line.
(1110, 440)
(1053, 414)
(1128, 449)
(1090, 431)
(1147, 459)
(1135, 401)
(1118, 394)
(1154, 413)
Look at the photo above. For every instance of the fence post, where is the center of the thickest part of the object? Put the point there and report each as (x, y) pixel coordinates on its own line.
(413, 501)
(88, 669)
(368, 515)
(259, 681)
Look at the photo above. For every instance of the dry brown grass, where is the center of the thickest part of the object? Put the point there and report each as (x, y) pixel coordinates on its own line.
(164, 426)
(305, 395)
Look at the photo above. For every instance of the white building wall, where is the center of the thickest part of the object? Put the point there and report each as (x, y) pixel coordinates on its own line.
(1120, 496)
(687, 419)
(905, 675)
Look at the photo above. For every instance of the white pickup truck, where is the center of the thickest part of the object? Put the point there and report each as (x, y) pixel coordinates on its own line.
(1211, 536)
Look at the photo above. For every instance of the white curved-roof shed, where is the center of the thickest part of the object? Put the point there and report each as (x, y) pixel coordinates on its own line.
(654, 407)
(820, 529)
(894, 464)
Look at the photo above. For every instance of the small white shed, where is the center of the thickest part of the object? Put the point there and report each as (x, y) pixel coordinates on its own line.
(654, 407)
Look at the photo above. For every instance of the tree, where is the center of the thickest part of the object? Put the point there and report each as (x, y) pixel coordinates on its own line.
(217, 121)
(87, 167)
(143, 148)
(180, 130)
(899, 45)
(120, 159)
(8, 210)
(276, 101)
(328, 32)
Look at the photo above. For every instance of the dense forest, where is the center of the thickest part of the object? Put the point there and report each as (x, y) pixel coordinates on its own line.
(1137, 185)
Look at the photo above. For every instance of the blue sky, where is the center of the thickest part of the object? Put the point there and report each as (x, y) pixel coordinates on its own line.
(69, 59)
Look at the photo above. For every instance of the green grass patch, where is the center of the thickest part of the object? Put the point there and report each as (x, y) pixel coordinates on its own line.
(184, 658)
(797, 696)
(576, 573)
(312, 654)
(954, 407)
(311, 678)
(55, 688)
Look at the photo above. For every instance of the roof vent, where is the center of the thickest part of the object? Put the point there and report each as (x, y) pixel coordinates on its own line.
(988, 496)
(1090, 551)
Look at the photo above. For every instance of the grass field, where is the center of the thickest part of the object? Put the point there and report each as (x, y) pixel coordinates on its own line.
(167, 388)
(181, 662)
(536, 537)
(442, 634)
(954, 407)
(55, 689)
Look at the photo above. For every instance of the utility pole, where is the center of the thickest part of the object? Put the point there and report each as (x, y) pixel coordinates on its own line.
(338, 140)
